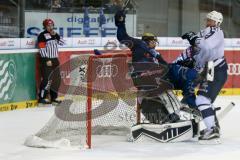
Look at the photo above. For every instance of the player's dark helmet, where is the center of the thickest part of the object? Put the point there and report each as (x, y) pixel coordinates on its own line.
(47, 22)
(149, 37)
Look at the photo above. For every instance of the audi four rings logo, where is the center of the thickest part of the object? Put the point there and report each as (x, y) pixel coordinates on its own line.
(107, 71)
(234, 69)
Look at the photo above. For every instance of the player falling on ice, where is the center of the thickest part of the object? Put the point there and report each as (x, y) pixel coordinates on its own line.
(210, 43)
(143, 54)
(181, 73)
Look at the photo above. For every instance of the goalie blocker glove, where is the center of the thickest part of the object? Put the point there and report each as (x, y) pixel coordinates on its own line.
(191, 37)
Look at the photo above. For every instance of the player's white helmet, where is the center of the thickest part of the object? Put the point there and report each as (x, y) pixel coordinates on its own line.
(215, 16)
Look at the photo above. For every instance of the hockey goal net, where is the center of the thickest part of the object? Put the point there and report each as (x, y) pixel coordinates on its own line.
(100, 101)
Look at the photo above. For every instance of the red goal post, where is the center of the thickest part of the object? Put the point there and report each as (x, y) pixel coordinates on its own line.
(108, 67)
(99, 102)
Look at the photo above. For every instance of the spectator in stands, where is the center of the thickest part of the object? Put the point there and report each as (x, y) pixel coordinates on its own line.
(116, 5)
(56, 4)
(113, 6)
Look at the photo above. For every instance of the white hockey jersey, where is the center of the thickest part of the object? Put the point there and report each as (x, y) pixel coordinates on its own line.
(186, 54)
(211, 46)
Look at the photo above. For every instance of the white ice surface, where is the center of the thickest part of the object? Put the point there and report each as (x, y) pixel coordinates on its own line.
(15, 126)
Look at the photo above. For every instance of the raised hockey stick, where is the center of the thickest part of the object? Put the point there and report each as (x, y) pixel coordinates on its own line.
(125, 4)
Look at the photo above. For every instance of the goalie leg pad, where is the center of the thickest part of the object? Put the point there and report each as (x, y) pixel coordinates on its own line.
(171, 102)
(153, 111)
(161, 109)
(173, 132)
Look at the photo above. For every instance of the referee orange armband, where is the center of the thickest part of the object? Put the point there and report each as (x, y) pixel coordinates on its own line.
(42, 44)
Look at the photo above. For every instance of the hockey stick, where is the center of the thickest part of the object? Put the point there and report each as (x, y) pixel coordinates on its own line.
(197, 113)
(226, 110)
(125, 4)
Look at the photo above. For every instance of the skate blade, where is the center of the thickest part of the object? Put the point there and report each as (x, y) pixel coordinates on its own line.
(215, 141)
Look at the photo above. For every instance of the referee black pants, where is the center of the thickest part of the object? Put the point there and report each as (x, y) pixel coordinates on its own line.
(50, 78)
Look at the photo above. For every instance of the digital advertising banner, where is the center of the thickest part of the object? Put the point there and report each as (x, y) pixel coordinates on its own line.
(77, 24)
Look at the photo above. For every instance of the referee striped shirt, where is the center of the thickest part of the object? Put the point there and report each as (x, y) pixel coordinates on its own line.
(48, 44)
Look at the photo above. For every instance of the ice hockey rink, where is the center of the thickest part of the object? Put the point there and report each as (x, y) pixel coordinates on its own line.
(16, 125)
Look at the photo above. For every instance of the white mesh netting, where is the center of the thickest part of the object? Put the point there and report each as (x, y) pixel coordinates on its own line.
(113, 112)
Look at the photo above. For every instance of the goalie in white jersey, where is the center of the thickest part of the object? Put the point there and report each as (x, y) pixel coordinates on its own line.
(210, 43)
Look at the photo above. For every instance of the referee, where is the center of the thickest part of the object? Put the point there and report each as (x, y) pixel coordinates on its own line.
(48, 41)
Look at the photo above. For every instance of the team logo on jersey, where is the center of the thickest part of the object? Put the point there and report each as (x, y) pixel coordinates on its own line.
(47, 36)
(234, 69)
(8, 78)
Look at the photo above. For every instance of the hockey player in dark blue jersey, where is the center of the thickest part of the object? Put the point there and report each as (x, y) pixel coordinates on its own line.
(185, 77)
(180, 74)
(156, 89)
(142, 49)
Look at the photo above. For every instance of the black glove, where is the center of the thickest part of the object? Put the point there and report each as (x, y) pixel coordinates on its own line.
(191, 37)
(189, 63)
(97, 52)
(120, 17)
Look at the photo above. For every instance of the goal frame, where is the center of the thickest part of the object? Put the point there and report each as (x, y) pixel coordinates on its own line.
(90, 94)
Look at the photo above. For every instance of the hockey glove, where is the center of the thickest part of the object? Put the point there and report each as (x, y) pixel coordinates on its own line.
(97, 52)
(189, 63)
(191, 37)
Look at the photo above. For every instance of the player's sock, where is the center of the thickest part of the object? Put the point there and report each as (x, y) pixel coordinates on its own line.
(208, 114)
(209, 121)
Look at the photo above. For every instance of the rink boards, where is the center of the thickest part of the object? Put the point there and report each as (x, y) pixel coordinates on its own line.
(19, 68)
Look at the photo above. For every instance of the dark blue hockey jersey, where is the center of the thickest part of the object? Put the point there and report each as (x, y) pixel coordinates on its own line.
(140, 50)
